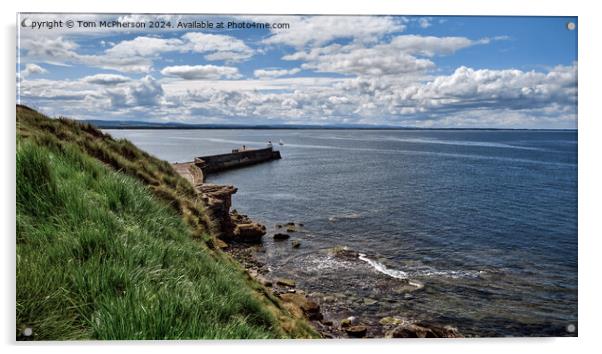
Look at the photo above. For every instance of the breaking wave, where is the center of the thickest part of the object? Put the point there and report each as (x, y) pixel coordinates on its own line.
(400, 274)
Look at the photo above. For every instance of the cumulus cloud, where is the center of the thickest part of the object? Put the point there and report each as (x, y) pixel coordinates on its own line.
(106, 79)
(318, 30)
(146, 92)
(272, 73)
(137, 55)
(30, 69)
(201, 72)
(219, 47)
(64, 51)
(402, 55)
(144, 46)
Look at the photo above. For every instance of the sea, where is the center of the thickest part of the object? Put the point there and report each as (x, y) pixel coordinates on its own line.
(483, 222)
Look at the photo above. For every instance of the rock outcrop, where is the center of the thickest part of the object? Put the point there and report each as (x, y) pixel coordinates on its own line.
(218, 199)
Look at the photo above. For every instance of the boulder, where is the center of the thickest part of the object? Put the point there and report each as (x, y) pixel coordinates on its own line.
(344, 253)
(251, 232)
(358, 331)
(309, 307)
(348, 322)
(280, 236)
(295, 244)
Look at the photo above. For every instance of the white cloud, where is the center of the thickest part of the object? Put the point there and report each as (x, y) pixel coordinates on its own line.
(136, 55)
(62, 50)
(272, 73)
(106, 79)
(144, 46)
(31, 69)
(146, 92)
(400, 56)
(200, 72)
(219, 47)
(318, 30)
(424, 22)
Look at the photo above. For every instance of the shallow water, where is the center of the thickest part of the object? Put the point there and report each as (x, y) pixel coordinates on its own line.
(486, 220)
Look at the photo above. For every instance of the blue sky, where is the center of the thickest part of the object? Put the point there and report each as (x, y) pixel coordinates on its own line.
(514, 72)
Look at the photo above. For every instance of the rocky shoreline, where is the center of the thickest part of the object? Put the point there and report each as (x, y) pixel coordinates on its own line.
(241, 237)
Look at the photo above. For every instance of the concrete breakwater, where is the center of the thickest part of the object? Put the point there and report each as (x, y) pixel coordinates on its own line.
(237, 158)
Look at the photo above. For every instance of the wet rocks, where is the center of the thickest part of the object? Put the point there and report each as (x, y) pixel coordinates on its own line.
(281, 237)
(420, 330)
(348, 322)
(250, 232)
(295, 244)
(390, 321)
(344, 253)
(358, 331)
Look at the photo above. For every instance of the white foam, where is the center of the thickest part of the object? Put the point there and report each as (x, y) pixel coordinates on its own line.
(344, 216)
(399, 274)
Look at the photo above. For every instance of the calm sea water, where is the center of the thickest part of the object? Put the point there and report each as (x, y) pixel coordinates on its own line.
(486, 220)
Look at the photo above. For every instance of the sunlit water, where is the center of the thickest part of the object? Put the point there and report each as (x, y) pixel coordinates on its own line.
(486, 220)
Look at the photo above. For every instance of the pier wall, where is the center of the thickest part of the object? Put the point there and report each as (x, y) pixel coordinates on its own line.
(235, 159)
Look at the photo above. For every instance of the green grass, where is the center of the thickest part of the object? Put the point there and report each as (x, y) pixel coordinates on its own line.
(101, 254)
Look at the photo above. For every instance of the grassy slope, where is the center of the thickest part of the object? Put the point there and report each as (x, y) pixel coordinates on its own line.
(120, 248)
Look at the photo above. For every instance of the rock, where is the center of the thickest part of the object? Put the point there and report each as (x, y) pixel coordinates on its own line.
(390, 321)
(263, 280)
(410, 331)
(286, 282)
(300, 224)
(295, 244)
(422, 330)
(327, 323)
(348, 322)
(291, 229)
(219, 243)
(280, 236)
(369, 302)
(329, 298)
(278, 226)
(442, 331)
(251, 232)
(344, 253)
(290, 223)
(358, 331)
(309, 307)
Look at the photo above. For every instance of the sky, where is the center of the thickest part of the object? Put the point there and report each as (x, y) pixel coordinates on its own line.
(414, 71)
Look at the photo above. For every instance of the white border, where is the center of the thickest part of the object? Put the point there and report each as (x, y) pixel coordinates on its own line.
(589, 170)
